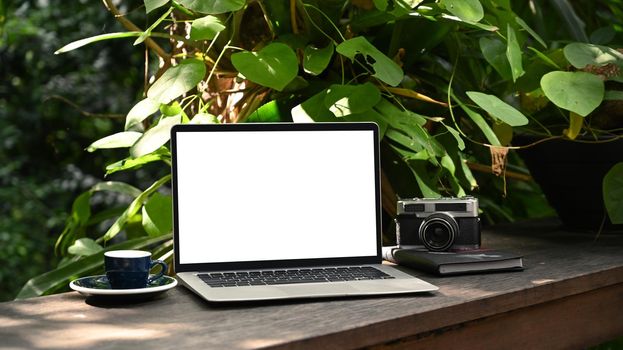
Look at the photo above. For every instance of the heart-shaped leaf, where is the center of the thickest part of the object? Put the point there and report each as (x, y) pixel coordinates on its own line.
(578, 92)
(213, 7)
(581, 55)
(205, 28)
(343, 100)
(273, 66)
(316, 60)
(118, 140)
(467, 10)
(177, 80)
(385, 69)
(498, 108)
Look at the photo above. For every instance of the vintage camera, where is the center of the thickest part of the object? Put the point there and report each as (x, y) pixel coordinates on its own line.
(438, 224)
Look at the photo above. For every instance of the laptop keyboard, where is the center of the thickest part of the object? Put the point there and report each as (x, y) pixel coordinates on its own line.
(292, 276)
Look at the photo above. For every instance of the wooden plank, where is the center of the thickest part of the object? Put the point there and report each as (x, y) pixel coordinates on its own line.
(574, 322)
(559, 265)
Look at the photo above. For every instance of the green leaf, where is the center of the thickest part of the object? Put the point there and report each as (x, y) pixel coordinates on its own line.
(153, 26)
(155, 137)
(151, 5)
(466, 10)
(407, 129)
(396, 116)
(132, 209)
(544, 58)
(60, 277)
(267, 113)
(134, 163)
(380, 5)
(457, 136)
(118, 140)
(140, 112)
(205, 28)
(343, 100)
(316, 60)
(213, 7)
(581, 55)
(417, 164)
(578, 92)
(80, 216)
(157, 215)
(84, 247)
(313, 110)
(613, 193)
(273, 66)
(177, 80)
(494, 52)
(204, 118)
(530, 31)
(480, 122)
(81, 209)
(447, 163)
(82, 42)
(385, 69)
(116, 186)
(498, 108)
(171, 110)
(513, 53)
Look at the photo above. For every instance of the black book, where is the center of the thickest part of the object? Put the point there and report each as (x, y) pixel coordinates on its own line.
(454, 263)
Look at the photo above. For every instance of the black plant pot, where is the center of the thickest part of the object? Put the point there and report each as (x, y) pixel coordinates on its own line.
(570, 174)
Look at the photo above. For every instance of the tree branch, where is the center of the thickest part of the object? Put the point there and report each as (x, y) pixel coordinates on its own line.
(127, 24)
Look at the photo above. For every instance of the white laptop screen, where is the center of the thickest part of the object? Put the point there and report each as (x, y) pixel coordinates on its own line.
(257, 195)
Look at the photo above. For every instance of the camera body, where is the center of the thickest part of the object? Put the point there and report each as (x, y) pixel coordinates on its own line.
(439, 224)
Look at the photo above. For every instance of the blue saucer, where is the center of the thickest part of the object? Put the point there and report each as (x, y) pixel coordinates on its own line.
(99, 286)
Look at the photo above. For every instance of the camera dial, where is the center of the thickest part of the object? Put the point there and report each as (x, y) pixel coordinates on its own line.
(438, 231)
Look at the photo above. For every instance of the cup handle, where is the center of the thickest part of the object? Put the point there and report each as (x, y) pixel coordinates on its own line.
(162, 264)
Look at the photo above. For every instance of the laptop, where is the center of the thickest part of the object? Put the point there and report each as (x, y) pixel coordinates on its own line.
(279, 211)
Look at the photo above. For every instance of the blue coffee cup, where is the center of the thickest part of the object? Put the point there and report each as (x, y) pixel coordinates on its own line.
(129, 269)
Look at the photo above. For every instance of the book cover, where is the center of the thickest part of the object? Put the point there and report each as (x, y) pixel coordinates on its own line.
(452, 263)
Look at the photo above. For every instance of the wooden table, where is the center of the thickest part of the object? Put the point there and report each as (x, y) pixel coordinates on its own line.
(569, 296)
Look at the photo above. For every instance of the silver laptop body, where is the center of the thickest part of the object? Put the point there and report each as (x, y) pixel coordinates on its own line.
(276, 198)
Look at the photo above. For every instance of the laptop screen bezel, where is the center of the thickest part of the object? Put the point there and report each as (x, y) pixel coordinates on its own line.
(251, 265)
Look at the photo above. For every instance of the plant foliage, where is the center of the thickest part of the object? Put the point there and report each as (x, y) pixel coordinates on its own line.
(413, 67)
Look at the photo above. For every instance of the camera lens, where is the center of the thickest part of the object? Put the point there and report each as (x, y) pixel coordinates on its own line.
(438, 231)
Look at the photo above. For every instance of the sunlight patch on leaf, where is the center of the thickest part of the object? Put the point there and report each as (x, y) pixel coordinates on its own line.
(177, 80)
(273, 66)
(385, 69)
(118, 140)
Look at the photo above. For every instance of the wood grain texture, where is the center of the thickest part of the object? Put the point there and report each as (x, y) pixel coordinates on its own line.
(559, 266)
(575, 322)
